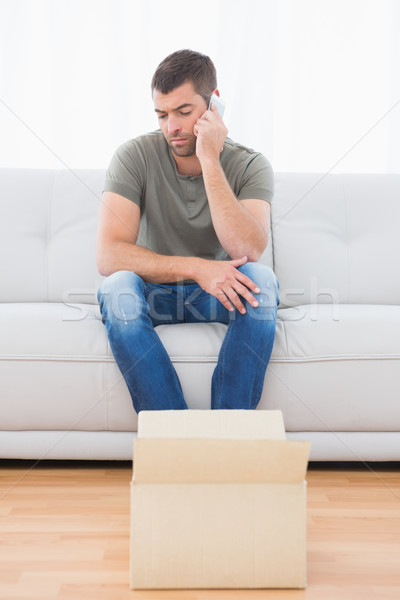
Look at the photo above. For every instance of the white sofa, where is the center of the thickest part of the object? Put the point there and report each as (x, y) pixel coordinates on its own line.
(335, 367)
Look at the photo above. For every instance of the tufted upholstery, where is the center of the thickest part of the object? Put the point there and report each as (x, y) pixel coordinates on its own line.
(334, 370)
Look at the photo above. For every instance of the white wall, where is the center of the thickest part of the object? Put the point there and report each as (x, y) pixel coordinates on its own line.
(314, 84)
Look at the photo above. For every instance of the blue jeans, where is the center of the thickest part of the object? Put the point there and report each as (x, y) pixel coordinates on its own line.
(131, 308)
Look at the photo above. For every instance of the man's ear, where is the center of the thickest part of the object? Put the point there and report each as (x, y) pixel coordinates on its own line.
(216, 92)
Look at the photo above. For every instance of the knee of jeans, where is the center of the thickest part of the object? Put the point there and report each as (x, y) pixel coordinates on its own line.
(121, 296)
(261, 274)
(265, 278)
(120, 280)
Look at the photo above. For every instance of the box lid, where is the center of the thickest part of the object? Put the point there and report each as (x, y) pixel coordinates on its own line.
(221, 424)
(219, 461)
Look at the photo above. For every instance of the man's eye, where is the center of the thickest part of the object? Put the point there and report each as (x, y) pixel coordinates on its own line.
(162, 116)
(186, 113)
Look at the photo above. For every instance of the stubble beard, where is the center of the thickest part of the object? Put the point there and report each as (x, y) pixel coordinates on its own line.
(189, 149)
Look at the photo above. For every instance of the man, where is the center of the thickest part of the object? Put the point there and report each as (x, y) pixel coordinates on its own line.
(184, 218)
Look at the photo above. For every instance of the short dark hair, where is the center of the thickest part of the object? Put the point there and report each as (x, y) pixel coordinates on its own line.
(182, 66)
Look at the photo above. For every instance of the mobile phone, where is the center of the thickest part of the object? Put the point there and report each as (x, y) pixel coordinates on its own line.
(218, 103)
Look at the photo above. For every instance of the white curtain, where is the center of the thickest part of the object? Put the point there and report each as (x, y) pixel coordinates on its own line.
(313, 84)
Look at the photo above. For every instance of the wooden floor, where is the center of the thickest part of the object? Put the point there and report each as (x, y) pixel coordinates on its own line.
(64, 534)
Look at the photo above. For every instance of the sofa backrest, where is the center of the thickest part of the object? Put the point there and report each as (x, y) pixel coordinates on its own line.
(47, 235)
(336, 238)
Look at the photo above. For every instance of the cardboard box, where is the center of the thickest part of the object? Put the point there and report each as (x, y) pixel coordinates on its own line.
(218, 501)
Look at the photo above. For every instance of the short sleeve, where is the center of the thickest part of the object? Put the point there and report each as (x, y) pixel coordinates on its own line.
(126, 172)
(257, 180)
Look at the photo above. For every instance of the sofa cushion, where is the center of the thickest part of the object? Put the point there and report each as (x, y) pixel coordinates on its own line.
(53, 362)
(336, 368)
(58, 356)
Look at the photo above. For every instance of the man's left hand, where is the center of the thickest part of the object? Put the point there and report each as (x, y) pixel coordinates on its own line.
(211, 133)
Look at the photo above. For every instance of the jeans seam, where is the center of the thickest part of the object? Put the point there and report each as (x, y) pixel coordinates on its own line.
(220, 365)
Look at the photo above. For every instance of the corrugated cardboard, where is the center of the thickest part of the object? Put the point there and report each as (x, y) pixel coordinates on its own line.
(222, 424)
(215, 504)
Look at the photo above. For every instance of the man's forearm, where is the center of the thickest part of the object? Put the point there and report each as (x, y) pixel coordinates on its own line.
(239, 233)
(220, 278)
(152, 267)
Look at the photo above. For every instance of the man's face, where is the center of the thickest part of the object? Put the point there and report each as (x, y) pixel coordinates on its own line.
(177, 113)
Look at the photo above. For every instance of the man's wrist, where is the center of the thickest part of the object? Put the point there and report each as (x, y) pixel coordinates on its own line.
(192, 266)
(210, 164)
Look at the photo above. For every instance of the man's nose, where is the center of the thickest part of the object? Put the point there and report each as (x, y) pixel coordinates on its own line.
(173, 124)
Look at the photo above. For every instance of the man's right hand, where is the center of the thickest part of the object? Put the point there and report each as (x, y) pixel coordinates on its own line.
(223, 280)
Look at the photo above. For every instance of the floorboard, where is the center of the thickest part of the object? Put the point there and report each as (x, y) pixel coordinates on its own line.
(64, 534)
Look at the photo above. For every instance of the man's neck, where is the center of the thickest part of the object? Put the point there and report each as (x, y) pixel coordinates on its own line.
(188, 165)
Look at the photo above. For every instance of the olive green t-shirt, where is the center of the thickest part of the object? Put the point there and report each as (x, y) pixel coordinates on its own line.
(175, 216)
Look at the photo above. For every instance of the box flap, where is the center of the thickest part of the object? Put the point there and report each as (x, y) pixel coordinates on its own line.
(222, 424)
(219, 461)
